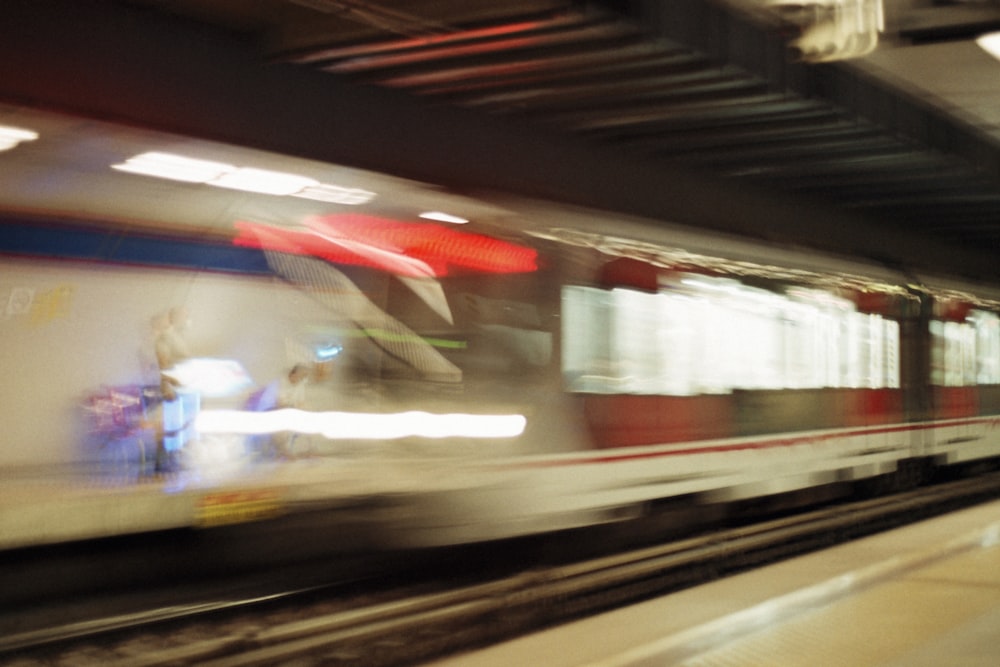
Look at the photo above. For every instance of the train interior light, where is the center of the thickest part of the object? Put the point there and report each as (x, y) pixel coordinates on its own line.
(328, 352)
(703, 335)
(964, 353)
(12, 136)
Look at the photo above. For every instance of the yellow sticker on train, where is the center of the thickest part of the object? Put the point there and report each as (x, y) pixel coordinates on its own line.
(238, 506)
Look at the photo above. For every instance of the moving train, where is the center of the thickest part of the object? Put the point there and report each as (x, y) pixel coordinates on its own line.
(528, 369)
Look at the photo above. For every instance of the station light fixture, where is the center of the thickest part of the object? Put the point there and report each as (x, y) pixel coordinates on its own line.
(335, 194)
(248, 179)
(264, 181)
(12, 136)
(174, 167)
(443, 217)
(829, 30)
(990, 43)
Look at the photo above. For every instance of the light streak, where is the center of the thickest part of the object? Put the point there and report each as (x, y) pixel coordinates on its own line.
(361, 426)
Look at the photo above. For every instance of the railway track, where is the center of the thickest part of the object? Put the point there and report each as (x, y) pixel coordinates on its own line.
(406, 627)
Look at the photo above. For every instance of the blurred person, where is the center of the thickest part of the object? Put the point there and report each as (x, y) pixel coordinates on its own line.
(291, 394)
(169, 328)
(180, 404)
(292, 389)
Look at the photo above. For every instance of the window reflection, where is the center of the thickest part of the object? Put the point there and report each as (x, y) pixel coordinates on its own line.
(967, 352)
(705, 335)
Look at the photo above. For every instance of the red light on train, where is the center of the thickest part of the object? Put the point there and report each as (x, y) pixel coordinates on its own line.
(307, 243)
(407, 249)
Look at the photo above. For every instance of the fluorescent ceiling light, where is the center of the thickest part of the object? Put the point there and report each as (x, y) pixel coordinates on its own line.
(336, 194)
(12, 136)
(990, 43)
(174, 167)
(443, 217)
(248, 179)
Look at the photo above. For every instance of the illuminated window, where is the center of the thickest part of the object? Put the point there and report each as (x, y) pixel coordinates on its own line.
(704, 335)
(987, 327)
(966, 353)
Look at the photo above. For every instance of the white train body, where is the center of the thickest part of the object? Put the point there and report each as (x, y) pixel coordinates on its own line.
(539, 368)
(614, 374)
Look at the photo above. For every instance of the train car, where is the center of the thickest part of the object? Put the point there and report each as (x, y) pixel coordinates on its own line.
(710, 372)
(521, 368)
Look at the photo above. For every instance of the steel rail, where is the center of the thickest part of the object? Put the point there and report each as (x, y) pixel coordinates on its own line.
(406, 630)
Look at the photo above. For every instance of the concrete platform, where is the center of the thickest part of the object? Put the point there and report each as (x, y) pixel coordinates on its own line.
(927, 594)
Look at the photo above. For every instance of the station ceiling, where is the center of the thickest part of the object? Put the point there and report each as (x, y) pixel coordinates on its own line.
(905, 139)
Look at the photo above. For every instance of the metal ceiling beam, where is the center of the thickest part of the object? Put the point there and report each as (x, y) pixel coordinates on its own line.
(588, 33)
(617, 89)
(804, 151)
(805, 128)
(734, 109)
(555, 69)
(695, 127)
(554, 19)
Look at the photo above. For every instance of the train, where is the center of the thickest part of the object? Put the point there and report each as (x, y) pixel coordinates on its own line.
(529, 368)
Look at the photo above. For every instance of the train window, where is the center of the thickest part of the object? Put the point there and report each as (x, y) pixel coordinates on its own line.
(891, 337)
(987, 346)
(966, 353)
(701, 335)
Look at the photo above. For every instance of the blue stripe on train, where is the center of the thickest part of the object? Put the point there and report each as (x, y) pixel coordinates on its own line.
(116, 246)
